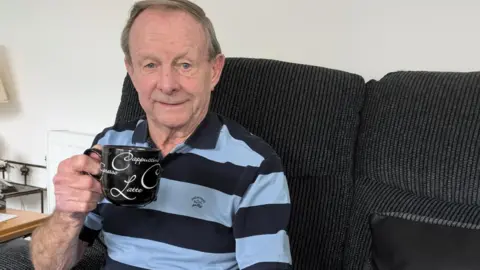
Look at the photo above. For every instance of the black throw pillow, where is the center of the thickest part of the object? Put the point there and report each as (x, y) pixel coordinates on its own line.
(408, 242)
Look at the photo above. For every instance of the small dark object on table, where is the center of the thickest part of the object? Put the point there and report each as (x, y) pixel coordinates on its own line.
(6, 189)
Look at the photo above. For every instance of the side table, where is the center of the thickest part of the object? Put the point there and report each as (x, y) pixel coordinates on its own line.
(23, 190)
(20, 226)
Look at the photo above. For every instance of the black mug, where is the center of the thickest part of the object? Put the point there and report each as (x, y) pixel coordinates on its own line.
(129, 175)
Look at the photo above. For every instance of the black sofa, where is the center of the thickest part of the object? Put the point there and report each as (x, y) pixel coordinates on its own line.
(383, 174)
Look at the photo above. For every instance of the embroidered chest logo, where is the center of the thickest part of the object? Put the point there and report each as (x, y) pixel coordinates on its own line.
(198, 201)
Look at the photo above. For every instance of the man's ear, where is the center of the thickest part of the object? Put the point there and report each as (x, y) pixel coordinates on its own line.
(217, 68)
(128, 66)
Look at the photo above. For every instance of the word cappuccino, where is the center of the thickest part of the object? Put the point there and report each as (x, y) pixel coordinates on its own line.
(128, 156)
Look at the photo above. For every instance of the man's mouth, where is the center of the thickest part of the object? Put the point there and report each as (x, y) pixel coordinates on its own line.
(171, 103)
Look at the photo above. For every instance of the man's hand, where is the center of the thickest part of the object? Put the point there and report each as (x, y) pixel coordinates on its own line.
(55, 244)
(76, 191)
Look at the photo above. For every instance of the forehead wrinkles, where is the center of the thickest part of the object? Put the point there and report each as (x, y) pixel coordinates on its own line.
(168, 28)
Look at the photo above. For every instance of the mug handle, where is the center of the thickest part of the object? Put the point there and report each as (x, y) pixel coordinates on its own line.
(99, 154)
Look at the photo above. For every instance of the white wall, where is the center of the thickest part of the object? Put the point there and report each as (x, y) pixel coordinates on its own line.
(66, 67)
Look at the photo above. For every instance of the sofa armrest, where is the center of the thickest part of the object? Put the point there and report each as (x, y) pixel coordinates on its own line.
(15, 254)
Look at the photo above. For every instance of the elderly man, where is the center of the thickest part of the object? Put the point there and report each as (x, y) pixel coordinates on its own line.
(242, 207)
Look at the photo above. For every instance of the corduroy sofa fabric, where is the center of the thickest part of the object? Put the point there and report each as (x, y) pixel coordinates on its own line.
(310, 116)
(15, 255)
(419, 133)
(418, 152)
(129, 108)
(93, 258)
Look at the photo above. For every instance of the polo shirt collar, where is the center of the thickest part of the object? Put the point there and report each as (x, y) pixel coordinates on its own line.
(205, 135)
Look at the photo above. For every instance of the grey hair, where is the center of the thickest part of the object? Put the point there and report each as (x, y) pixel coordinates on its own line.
(183, 5)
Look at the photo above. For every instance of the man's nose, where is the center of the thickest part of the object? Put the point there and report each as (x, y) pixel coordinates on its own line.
(167, 82)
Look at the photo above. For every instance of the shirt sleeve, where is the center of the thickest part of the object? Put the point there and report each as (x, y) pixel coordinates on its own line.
(91, 227)
(260, 223)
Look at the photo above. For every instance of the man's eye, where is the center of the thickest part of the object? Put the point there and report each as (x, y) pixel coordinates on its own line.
(150, 65)
(186, 65)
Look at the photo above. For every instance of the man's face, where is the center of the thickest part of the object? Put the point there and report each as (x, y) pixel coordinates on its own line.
(170, 67)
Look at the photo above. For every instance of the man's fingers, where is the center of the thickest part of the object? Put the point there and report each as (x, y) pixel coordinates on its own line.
(73, 206)
(83, 164)
(95, 155)
(87, 182)
(76, 181)
(77, 195)
(75, 188)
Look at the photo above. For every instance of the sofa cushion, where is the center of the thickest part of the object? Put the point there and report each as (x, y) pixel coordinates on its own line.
(419, 133)
(411, 242)
(373, 197)
(310, 116)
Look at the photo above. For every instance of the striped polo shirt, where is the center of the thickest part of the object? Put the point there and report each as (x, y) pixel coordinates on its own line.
(223, 203)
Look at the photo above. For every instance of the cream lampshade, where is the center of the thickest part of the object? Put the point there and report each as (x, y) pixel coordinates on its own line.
(3, 93)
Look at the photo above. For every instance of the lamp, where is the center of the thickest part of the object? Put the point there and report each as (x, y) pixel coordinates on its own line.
(3, 93)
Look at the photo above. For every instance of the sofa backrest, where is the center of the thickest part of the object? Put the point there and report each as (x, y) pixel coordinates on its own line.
(310, 116)
(418, 153)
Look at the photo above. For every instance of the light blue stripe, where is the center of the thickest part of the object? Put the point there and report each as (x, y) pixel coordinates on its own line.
(156, 255)
(114, 137)
(231, 150)
(93, 221)
(267, 189)
(178, 198)
(263, 248)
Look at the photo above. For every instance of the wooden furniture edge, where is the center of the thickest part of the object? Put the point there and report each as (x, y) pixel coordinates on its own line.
(23, 228)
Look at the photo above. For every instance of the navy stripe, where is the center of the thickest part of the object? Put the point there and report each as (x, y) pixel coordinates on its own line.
(269, 168)
(269, 266)
(206, 134)
(111, 264)
(244, 156)
(262, 219)
(95, 211)
(168, 228)
(255, 143)
(88, 235)
(195, 169)
(140, 134)
(272, 164)
(244, 182)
